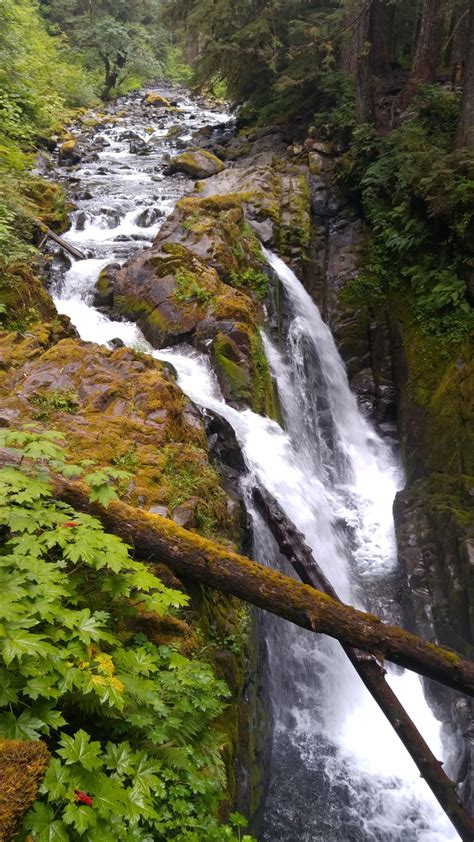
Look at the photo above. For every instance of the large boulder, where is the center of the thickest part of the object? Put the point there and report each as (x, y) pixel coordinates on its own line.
(197, 163)
(157, 101)
(69, 153)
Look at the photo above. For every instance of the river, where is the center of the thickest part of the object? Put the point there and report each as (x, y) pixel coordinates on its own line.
(338, 772)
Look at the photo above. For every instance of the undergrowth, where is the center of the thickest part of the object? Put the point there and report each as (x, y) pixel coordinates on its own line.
(418, 197)
(128, 721)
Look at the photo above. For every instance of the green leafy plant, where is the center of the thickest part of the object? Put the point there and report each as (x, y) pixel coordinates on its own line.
(55, 400)
(128, 721)
(188, 288)
(418, 198)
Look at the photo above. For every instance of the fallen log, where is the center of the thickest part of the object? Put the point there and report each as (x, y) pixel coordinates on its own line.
(293, 546)
(72, 250)
(188, 554)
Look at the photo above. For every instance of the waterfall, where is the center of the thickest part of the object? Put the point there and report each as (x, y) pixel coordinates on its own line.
(338, 771)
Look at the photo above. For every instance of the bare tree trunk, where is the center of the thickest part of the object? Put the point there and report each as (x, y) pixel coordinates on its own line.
(456, 44)
(466, 123)
(156, 538)
(382, 21)
(355, 57)
(428, 45)
(301, 557)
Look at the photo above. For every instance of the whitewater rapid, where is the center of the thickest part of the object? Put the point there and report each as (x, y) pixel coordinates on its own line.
(339, 773)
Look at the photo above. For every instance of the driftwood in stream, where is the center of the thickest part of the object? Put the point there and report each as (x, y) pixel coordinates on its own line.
(156, 538)
(291, 543)
(72, 250)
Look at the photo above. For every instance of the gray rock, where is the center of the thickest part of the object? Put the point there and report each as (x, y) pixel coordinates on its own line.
(162, 511)
(184, 515)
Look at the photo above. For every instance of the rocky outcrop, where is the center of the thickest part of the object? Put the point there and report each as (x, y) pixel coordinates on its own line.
(434, 514)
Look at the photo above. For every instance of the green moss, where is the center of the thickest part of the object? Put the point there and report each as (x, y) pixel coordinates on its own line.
(188, 288)
(23, 298)
(264, 395)
(48, 203)
(186, 474)
(53, 401)
(190, 162)
(231, 369)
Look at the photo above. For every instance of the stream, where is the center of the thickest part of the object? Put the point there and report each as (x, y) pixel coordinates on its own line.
(338, 771)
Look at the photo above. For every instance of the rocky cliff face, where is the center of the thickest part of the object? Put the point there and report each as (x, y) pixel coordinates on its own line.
(434, 515)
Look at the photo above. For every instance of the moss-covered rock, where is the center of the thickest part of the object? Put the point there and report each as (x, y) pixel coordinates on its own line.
(24, 298)
(157, 101)
(175, 296)
(197, 163)
(121, 409)
(22, 768)
(69, 153)
(48, 203)
(435, 513)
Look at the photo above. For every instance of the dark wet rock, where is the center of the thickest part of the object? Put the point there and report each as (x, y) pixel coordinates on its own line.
(81, 220)
(223, 445)
(149, 216)
(117, 343)
(139, 147)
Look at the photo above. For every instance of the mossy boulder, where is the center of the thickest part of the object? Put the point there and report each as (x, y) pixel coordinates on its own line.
(157, 101)
(69, 153)
(177, 297)
(197, 163)
(124, 409)
(48, 203)
(104, 289)
(174, 296)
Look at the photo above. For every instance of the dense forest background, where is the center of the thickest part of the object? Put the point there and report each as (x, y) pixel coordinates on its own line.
(392, 83)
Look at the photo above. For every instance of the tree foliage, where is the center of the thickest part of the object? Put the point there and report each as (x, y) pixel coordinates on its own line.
(124, 39)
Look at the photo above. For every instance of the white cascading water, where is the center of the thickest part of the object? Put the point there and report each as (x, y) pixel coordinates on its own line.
(338, 773)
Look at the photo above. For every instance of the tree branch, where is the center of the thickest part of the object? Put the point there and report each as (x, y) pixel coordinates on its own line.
(157, 539)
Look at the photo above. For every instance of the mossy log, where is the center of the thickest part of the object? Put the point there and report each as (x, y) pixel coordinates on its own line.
(157, 539)
(72, 250)
(22, 768)
(291, 543)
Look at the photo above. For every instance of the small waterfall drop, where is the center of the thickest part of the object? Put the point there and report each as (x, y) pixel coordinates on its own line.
(338, 773)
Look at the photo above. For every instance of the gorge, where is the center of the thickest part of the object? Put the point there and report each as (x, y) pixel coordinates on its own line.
(334, 476)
